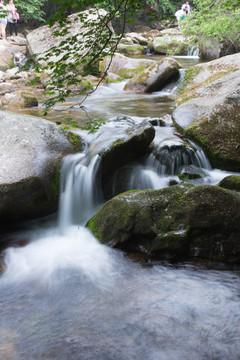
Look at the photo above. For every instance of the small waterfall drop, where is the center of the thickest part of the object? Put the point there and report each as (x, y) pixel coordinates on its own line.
(193, 50)
(80, 192)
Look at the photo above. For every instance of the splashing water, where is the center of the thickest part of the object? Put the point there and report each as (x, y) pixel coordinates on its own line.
(65, 296)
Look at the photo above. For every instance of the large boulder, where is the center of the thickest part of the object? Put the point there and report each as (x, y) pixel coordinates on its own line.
(20, 99)
(179, 222)
(209, 110)
(128, 146)
(155, 77)
(170, 41)
(42, 39)
(231, 182)
(134, 49)
(124, 66)
(31, 151)
(211, 48)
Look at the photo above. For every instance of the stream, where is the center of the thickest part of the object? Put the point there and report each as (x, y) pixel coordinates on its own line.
(64, 296)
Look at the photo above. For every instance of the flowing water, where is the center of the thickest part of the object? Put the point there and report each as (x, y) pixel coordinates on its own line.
(64, 296)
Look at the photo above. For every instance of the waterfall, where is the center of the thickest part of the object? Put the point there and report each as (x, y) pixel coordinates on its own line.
(193, 50)
(80, 193)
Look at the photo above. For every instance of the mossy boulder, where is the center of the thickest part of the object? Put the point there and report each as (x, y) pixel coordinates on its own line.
(170, 41)
(133, 144)
(124, 66)
(212, 48)
(31, 153)
(179, 222)
(208, 110)
(155, 77)
(134, 49)
(20, 99)
(190, 172)
(231, 182)
(84, 85)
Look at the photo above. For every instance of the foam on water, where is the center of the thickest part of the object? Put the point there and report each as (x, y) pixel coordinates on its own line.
(41, 260)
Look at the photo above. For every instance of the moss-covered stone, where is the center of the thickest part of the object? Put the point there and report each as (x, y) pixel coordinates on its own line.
(170, 45)
(129, 73)
(155, 77)
(131, 49)
(231, 182)
(75, 140)
(173, 223)
(208, 110)
(29, 99)
(132, 146)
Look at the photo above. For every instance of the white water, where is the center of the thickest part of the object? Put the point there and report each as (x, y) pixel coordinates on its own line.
(64, 296)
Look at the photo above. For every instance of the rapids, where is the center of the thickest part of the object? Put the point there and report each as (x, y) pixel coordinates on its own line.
(64, 296)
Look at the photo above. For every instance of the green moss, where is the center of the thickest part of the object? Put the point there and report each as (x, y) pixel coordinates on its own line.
(189, 75)
(75, 141)
(96, 230)
(129, 73)
(231, 182)
(86, 84)
(131, 49)
(29, 99)
(109, 81)
(56, 183)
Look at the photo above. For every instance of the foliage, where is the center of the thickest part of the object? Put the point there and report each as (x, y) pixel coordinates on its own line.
(31, 9)
(219, 19)
(80, 54)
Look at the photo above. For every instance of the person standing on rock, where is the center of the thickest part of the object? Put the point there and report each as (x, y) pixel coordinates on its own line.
(3, 20)
(12, 20)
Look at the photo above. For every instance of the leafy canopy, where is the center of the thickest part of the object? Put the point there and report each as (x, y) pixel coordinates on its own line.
(219, 19)
(31, 9)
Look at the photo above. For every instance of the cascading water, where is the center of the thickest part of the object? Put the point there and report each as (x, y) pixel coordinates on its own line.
(64, 296)
(193, 50)
(80, 193)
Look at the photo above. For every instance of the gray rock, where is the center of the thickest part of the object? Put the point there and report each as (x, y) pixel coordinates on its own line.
(129, 146)
(155, 77)
(170, 41)
(6, 88)
(178, 222)
(209, 108)
(124, 66)
(31, 151)
(42, 39)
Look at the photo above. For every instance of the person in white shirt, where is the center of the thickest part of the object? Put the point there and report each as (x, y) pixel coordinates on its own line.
(180, 15)
(186, 7)
(12, 20)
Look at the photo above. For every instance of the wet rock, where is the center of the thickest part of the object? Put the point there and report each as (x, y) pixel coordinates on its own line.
(211, 49)
(31, 151)
(135, 49)
(155, 77)
(124, 66)
(231, 182)
(191, 172)
(209, 110)
(111, 77)
(170, 41)
(178, 222)
(20, 99)
(131, 146)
